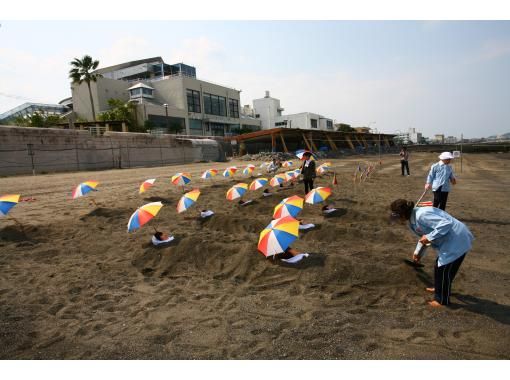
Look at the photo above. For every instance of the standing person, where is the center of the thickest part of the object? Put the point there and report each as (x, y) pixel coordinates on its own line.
(404, 160)
(439, 179)
(308, 171)
(450, 237)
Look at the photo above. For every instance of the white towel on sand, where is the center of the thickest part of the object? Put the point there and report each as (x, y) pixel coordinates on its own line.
(247, 202)
(158, 242)
(206, 214)
(329, 211)
(297, 258)
(267, 194)
(306, 226)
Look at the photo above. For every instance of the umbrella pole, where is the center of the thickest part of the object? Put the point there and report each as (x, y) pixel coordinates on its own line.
(425, 192)
(17, 222)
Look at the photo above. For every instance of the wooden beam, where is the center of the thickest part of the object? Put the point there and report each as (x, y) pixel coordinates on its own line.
(348, 138)
(283, 143)
(331, 142)
(386, 141)
(364, 141)
(273, 143)
(306, 141)
(312, 143)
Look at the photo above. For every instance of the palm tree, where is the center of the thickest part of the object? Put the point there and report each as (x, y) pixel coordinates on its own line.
(82, 71)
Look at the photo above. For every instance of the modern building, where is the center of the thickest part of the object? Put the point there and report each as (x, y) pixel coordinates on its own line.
(415, 136)
(29, 109)
(439, 139)
(269, 111)
(450, 140)
(169, 96)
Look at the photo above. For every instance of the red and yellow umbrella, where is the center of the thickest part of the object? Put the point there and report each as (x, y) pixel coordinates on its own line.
(7, 202)
(237, 191)
(277, 180)
(146, 185)
(142, 215)
(317, 195)
(278, 236)
(258, 183)
(188, 200)
(181, 179)
(290, 206)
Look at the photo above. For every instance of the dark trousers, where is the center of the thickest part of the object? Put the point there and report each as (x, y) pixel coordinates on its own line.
(308, 185)
(443, 278)
(440, 198)
(404, 164)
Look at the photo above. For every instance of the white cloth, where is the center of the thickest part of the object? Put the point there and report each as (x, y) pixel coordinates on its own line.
(158, 242)
(267, 194)
(307, 162)
(329, 210)
(297, 258)
(246, 202)
(206, 214)
(306, 226)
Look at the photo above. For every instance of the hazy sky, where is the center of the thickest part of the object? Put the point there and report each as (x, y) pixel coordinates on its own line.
(439, 77)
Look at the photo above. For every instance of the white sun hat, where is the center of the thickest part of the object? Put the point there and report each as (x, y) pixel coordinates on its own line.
(446, 156)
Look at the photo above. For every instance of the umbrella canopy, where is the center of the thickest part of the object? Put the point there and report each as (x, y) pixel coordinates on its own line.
(290, 175)
(322, 169)
(188, 200)
(142, 215)
(84, 188)
(248, 170)
(209, 173)
(299, 154)
(146, 185)
(277, 180)
(287, 164)
(317, 195)
(237, 191)
(181, 179)
(278, 236)
(230, 171)
(258, 183)
(7, 202)
(290, 206)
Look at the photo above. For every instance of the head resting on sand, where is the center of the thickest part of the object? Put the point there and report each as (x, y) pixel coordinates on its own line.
(402, 209)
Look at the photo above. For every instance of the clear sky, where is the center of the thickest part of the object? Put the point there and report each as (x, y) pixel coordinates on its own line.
(448, 77)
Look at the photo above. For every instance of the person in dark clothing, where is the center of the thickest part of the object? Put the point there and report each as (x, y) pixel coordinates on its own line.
(308, 171)
(404, 160)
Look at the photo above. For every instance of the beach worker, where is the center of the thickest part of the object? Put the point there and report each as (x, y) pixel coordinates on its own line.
(308, 171)
(204, 214)
(273, 166)
(161, 238)
(266, 193)
(439, 179)
(450, 237)
(404, 160)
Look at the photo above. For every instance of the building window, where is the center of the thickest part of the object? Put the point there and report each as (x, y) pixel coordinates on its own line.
(281, 124)
(314, 123)
(329, 124)
(215, 105)
(193, 101)
(257, 116)
(233, 107)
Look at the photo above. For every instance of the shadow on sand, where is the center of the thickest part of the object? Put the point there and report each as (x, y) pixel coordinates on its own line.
(491, 309)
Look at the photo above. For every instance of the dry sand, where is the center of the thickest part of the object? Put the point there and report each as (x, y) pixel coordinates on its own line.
(78, 286)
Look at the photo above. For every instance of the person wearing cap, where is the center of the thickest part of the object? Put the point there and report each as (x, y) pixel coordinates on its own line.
(308, 171)
(439, 179)
(450, 237)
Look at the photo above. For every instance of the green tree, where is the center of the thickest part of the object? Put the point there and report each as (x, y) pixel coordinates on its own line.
(345, 128)
(122, 111)
(175, 127)
(82, 71)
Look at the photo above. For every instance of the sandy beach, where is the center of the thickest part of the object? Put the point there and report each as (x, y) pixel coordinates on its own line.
(76, 285)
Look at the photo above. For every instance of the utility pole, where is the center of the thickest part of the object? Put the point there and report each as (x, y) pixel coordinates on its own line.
(461, 138)
(31, 153)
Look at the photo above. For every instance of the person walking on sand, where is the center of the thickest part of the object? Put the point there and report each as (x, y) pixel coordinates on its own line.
(404, 160)
(450, 237)
(439, 179)
(308, 171)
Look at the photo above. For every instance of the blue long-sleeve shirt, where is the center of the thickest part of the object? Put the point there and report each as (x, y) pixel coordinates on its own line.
(450, 237)
(440, 175)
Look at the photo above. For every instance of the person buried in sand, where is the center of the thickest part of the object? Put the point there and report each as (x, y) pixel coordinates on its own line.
(292, 256)
(161, 238)
(450, 237)
(439, 178)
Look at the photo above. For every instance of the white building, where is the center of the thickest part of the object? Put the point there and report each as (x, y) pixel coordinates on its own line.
(269, 111)
(415, 136)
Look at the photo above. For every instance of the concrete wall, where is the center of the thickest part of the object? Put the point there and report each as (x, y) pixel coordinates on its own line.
(68, 150)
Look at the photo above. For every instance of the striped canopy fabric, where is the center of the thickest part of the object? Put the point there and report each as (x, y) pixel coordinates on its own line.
(278, 236)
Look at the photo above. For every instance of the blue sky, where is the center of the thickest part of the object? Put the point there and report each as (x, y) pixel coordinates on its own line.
(447, 77)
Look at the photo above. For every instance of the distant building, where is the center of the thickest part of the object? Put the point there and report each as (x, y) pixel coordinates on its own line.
(439, 139)
(415, 136)
(450, 140)
(269, 111)
(29, 109)
(167, 96)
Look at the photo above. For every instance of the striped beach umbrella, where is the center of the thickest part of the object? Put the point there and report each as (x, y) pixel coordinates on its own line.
(258, 183)
(142, 215)
(287, 164)
(237, 191)
(290, 206)
(7, 202)
(181, 179)
(248, 170)
(188, 200)
(277, 180)
(290, 175)
(230, 171)
(209, 173)
(278, 236)
(322, 169)
(84, 188)
(317, 195)
(146, 185)
(299, 154)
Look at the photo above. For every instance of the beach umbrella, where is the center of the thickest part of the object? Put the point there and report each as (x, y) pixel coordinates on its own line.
(84, 188)
(299, 154)
(248, 170)
(290, 175)
(278, 236)
(317, 195)
(230, 171)
(287, 164)
(322, 169)
(290, 206)
(209, 173)
(237, 191)
(258, 183)
(188, 200)
(297, 171)
(7, 202)
(277, 180)
(181, 179)
(142, 215)
(146, 185)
